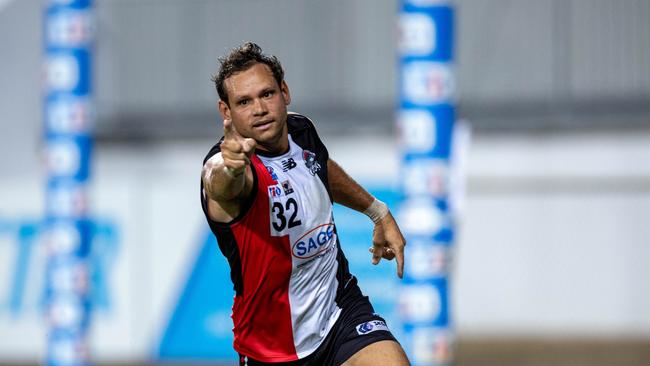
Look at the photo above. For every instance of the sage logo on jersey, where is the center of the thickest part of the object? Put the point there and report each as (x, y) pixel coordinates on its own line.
(371, 326)
(313, 242)
(310, 161)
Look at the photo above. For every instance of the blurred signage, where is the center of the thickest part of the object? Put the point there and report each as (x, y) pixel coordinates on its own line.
(425, 122)
(69, 245)
(68, 145)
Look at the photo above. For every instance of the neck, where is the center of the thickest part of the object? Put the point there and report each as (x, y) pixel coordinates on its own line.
(277, 147)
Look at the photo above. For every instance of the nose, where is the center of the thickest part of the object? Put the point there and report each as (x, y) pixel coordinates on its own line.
(259, 107)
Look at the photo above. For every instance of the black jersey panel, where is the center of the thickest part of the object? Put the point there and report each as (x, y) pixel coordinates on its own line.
(230, 249)
(303, 132)
(346, 281)
(225, 238)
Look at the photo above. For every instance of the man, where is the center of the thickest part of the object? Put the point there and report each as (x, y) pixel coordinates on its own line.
(267, 190)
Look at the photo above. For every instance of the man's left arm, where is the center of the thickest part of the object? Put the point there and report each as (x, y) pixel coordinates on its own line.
(387, 239)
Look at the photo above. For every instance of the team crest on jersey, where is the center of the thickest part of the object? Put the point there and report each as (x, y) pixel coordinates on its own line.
(310, 161)
(270, 170)
(286, 187)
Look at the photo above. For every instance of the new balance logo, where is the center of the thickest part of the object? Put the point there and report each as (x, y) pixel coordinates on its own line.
(288, 164)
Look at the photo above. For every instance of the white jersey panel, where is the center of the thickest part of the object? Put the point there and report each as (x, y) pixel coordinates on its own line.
(300, 208)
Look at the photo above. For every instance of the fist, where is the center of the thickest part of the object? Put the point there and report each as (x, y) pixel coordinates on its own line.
(236, 150)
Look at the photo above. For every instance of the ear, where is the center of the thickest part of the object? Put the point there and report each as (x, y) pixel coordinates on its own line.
(224, 110)
(285, 92)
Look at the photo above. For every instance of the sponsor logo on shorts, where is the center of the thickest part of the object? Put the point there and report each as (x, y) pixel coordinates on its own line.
(372, 326)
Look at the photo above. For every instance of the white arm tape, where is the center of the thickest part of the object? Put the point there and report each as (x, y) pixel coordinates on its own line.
(376, 211)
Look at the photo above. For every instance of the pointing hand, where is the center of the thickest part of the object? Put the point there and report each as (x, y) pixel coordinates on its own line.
(236, 150)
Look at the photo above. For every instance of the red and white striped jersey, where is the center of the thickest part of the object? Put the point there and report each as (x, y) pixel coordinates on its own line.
(287, 267)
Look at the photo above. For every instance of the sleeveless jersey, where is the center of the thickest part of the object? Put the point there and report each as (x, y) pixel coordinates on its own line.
(289, 274)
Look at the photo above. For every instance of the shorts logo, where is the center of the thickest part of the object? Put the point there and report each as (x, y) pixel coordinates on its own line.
(372, 326)
(310, 161)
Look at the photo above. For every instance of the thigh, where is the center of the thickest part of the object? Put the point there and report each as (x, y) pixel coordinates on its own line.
(359, 328)
(382, 353)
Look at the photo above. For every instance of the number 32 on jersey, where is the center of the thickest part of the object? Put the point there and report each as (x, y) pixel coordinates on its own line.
(285, 213)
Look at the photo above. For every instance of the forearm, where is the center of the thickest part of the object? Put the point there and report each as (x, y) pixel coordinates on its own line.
(345, 190)
(220, 183)
(387, 240)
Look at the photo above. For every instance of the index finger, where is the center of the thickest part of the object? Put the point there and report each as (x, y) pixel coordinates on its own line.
(399, 257)
(229, 131)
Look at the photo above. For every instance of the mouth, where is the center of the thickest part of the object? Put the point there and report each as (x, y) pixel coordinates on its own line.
(263, 124)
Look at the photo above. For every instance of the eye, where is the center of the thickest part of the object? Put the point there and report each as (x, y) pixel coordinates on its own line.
(243, 102)
(267, 94)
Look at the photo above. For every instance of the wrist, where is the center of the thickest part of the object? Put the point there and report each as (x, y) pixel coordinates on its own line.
(376, 211)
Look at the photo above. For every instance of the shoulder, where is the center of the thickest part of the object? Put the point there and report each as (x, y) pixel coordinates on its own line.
(297, 123)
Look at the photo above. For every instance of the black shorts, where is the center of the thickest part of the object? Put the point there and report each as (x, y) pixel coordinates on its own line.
(357, 326)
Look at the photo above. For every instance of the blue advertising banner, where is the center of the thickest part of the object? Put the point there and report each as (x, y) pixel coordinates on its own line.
(67, 108)
(425, 121)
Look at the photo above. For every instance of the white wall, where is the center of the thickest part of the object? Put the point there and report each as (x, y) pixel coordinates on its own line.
(555, 240)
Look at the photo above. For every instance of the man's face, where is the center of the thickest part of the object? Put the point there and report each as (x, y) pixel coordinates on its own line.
(257, 106)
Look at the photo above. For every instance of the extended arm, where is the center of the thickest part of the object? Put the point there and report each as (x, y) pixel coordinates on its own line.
(387, 239)
(227, 176)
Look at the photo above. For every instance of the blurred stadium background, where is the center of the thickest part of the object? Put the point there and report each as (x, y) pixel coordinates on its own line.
(551, 259)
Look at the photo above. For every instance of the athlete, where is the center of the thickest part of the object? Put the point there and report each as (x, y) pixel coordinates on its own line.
(267, 191)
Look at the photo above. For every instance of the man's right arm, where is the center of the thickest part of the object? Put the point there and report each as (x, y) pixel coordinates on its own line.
(227, 176)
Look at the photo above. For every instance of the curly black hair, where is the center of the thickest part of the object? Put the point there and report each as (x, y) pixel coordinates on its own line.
(240, 59)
